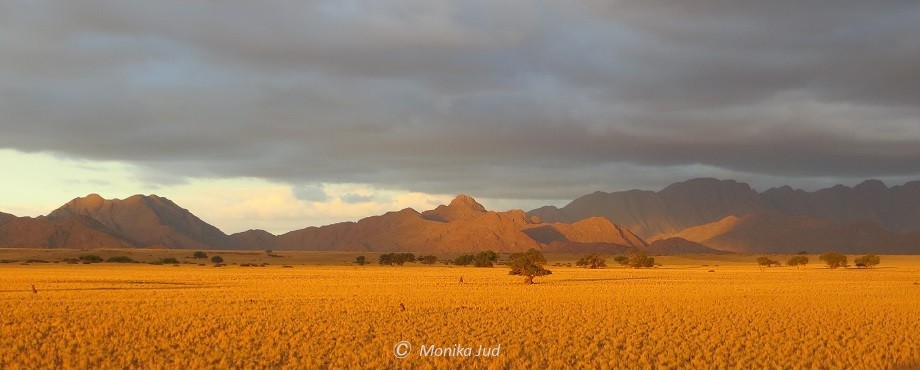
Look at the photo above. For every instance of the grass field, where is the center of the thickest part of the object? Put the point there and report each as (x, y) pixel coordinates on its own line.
(322, 312)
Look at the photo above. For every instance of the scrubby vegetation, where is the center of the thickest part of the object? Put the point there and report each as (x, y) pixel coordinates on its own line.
(834, 260)
(867, 261)
(90, 258)
(120, 259)
(765, 261)
(463, 260)
(396, 258)
(797, 260)
(481, 259)
(427, 260)
(485, 259)
(639, 259)
(592, 261)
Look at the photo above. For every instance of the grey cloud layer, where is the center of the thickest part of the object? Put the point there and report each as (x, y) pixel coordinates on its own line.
(499, 99)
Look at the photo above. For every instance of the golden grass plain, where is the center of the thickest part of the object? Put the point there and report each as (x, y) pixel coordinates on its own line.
(324, 313)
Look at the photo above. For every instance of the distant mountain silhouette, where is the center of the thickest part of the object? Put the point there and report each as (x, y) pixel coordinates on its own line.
(676, 207)
(696, 216)
(462, 226)
(590, 230)
(895, 209)
(145, 220)
(76, 232)
(466, 226)
(677, 245)
(254, 239)
(4, 217)
(774, 232)
(702, 201)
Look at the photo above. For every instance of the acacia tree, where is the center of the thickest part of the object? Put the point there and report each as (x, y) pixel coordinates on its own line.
(592, 261)
(361, 260)
(798, 260)
(766, 262)
(484, 259)
(834, 260)
(639, 259)
(396, 258)
(868, 260)
(463, 260)
(529, 265)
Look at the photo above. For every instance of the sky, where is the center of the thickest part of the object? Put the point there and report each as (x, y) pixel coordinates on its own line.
(285, 114)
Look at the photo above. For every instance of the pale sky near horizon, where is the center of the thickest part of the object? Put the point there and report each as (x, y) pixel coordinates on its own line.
(231, 204)
(285, 114)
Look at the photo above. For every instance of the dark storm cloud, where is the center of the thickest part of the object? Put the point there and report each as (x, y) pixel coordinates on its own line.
(499, 99)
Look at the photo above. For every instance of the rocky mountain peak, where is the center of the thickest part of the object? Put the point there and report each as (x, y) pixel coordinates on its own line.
(467, 201)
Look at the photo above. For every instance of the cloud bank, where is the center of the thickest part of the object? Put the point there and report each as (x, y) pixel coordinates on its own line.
(509, 99)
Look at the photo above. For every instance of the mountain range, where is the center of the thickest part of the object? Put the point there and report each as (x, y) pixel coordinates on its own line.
(730, 215)
(696, 216)
(464, 225)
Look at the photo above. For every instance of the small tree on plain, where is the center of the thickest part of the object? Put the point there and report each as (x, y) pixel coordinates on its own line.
(121, 259)
(200, 255)
(798, 260)
(834, 260)
(529, 265)
(361, 260)
(639, 259)
(765, 261)
(428, 260)
(217, 259)
(592, 261)
(484, 259)
(623, 260)
(91, 258)
(464, 260)
(405, 257)
(396, 258)
(868, 260)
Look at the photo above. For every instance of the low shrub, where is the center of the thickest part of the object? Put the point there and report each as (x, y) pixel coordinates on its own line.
(120, 259)
(91, 258)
